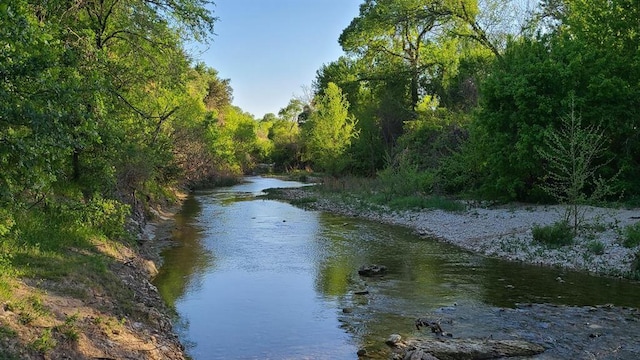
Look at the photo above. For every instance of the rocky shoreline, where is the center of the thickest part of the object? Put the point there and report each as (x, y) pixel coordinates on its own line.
(503, 232)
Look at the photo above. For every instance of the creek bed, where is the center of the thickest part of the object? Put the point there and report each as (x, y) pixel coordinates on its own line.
(251, 278)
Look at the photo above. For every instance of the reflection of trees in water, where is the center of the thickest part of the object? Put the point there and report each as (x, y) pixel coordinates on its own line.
(417, 281)
(506, 283)
(187, 260)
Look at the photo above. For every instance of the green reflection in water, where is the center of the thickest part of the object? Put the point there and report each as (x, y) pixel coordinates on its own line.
(187, 259)
(252, 240)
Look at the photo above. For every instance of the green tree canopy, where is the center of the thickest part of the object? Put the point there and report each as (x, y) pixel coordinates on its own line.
(329, 131)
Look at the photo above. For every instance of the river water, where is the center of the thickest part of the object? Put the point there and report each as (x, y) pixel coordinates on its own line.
(251, 278)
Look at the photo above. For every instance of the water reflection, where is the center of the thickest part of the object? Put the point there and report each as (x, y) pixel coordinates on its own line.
(186, 263)
(258, 278)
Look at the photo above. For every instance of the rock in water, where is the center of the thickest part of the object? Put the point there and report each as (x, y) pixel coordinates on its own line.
(393, 340)
(468, 349)
(372, 270)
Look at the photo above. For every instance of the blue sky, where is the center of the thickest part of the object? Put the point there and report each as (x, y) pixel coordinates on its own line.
(270, 49)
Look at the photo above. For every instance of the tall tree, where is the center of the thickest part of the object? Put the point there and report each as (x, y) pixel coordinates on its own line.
(409, 31)
(329, 131)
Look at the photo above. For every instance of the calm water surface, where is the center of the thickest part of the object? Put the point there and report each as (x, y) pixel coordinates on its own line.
(259, 279)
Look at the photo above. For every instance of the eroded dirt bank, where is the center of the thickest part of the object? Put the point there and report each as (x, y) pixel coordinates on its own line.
(122, 319)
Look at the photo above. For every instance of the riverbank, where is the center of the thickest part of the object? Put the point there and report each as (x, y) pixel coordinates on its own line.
(502, 231)
(114, 314)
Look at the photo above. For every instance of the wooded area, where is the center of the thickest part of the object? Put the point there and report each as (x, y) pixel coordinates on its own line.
(102, 108)
(103, 112)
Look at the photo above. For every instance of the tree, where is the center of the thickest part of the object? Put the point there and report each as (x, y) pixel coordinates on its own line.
(408, 31)
(329, 131)
(573, 155)
(590, 57)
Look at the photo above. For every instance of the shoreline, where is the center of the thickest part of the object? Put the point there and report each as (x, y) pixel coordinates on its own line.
(503, 232)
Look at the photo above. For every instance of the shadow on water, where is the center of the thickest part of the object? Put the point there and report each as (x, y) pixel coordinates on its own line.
(257, 278)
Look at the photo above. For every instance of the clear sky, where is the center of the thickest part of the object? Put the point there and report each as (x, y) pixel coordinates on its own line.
(270, 49)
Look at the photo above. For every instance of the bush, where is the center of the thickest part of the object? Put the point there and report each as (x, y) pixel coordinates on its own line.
(106, 215)
(558, 234)
(402, 178)
(632, 235)
(596, 247)
(6, 222)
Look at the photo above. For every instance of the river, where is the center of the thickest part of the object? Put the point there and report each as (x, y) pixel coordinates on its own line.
(251, 278)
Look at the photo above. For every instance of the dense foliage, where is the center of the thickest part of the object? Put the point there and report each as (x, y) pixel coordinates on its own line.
(102, 113)
(459, 95)
(99, 100)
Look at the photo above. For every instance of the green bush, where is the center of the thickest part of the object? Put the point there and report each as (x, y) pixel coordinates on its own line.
(558, 234)
(107, 215)
(402, 178)
(596, 247)
(6, 222)
(632, 235)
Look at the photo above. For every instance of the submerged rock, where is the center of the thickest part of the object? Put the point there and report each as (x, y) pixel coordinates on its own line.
(466, 349)
(372, 270)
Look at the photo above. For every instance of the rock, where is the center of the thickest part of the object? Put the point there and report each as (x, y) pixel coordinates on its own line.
(150, 268)
(372, 270)
(393, 340)
(469, 349)
(362, 352)
(347, 311)
(419, 354)
(433, 325)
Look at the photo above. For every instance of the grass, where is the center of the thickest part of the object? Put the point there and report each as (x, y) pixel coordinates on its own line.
(376, 192)
(555, 235)
(66, 247)
(596, 247)
(44, 343)
(69, 330)
(631, 236)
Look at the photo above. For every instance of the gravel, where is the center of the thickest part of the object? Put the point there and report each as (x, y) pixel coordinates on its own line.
(504, 232)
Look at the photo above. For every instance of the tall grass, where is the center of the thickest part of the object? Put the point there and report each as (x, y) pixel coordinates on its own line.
(380, 191)
(554, 235)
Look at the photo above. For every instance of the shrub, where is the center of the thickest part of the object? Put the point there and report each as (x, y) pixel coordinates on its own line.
(401, 177)
(107, 215)
(557, 234)
(6, 222)
(632, 235)
(596, 247)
